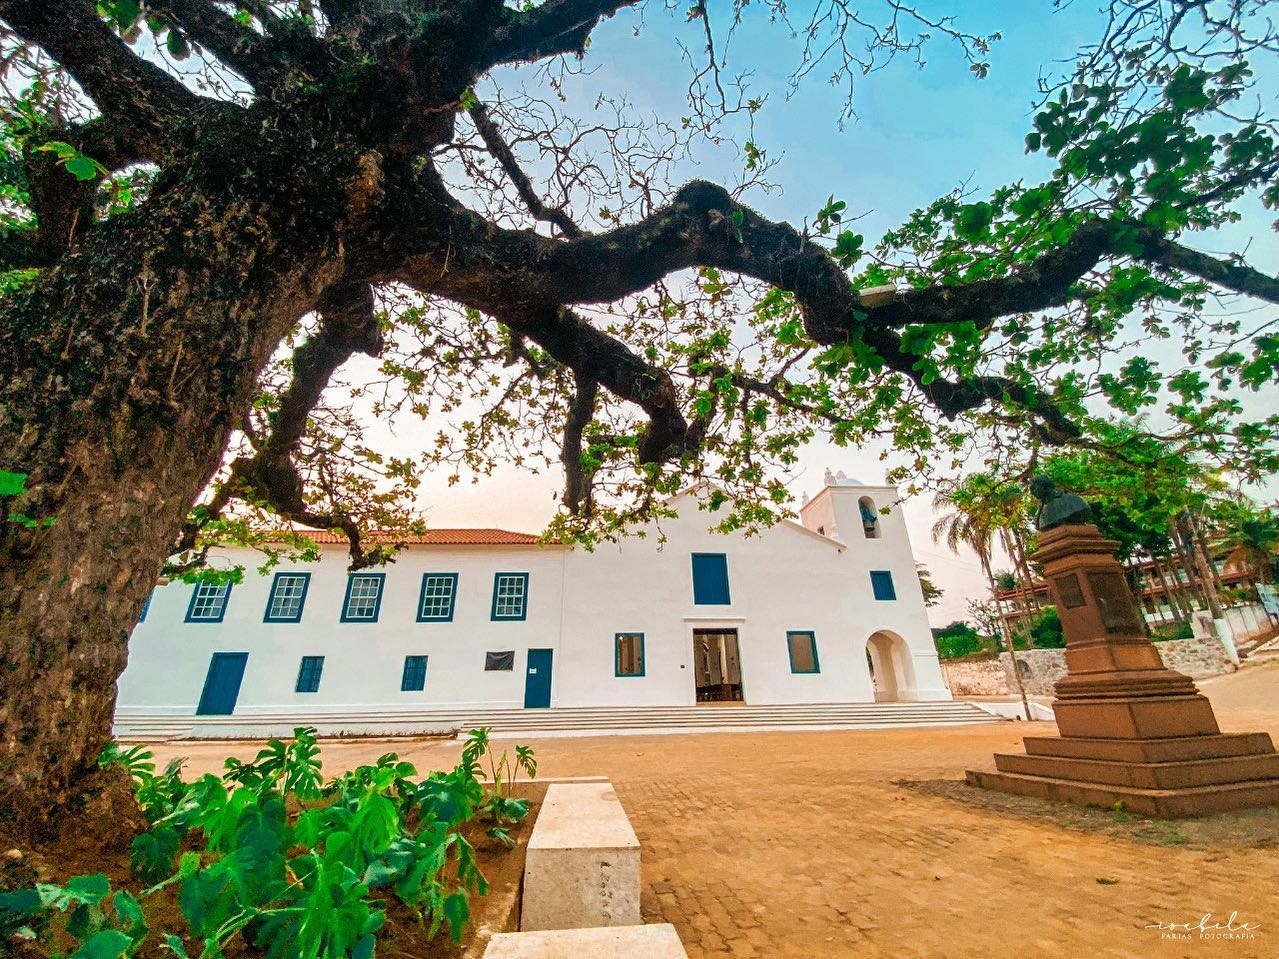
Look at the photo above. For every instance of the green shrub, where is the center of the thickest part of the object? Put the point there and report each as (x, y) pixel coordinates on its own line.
(294, 867)
(959, 639)
(1046, 632)
(1165, 632)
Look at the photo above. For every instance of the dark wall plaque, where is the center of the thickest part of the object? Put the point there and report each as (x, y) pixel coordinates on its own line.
(502, 662)
(1068, 589)
(1114, 603)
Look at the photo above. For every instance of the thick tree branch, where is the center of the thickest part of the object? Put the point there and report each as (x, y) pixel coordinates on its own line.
(229, 41)
(63, 205)
(348, 325)
(556, 27)
(126, 88)
(596, 356)
(577, 482)
(1231, 276)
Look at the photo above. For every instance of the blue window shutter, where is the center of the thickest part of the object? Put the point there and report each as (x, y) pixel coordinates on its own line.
(881, 582)
(309, 674)
(414, 678)
(710, 579)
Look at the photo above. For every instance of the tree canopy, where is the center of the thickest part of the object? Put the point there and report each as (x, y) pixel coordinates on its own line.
(211, 206)
(651, 332)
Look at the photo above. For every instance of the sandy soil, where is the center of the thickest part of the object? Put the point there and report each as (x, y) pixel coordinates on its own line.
(866, 844)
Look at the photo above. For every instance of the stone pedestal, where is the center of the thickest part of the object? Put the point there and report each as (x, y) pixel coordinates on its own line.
(582, 866)
(1131, 730)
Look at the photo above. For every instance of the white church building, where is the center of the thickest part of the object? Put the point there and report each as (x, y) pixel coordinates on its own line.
(826, 610)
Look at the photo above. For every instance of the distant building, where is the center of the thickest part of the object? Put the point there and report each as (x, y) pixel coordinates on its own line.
(1152, 593)
(828, 610)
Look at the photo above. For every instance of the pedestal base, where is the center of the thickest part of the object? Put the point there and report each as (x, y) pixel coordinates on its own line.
(1172, 777)
(1132, 731)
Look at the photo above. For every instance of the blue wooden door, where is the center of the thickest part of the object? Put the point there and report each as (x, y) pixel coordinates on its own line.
(537, 681)
(222, 685)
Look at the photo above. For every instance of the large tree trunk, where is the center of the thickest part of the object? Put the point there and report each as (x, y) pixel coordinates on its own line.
(118, 393)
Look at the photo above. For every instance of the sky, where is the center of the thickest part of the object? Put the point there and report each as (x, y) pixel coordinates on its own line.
(917, 135)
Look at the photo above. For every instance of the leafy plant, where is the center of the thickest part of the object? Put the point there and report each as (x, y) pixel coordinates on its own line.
(288, 864)
(498, 802)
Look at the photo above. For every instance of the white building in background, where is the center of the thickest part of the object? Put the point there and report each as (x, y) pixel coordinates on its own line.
(828, 610)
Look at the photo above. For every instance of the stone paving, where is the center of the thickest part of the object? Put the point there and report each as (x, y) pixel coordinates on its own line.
(803, 845)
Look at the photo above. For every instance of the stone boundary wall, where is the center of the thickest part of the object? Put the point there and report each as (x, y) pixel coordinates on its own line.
(975, 677)
(1195, 657)
(1041, 668)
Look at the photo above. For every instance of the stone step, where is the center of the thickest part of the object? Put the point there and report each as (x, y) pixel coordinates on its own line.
(1162, 803)
(559, 720)
(1172, 749)
(656, 941)
(1167, 775)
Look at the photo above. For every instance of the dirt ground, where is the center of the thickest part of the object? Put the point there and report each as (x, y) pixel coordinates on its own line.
(867, 844)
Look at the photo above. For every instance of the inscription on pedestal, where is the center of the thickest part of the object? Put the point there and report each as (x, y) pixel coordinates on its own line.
(1068, 589)
(1114, 602)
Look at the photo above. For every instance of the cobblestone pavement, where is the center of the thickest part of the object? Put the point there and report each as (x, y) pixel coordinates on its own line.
(803, 845)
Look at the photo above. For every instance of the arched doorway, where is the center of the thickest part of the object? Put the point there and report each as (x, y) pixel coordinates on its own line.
(891, 670)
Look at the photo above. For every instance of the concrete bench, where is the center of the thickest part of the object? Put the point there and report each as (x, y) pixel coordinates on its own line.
(658, 941)
(582, 868)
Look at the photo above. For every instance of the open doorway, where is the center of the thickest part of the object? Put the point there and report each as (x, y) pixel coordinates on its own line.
(891, 671)
(717, 667)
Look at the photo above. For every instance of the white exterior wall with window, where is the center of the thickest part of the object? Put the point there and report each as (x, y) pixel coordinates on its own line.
(363, 661)
(788, 579)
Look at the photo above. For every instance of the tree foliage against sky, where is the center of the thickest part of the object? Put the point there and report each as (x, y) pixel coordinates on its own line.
(651, 333)
(211, 206)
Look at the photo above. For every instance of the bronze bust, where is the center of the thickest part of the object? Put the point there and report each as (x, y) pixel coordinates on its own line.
(1057, 508)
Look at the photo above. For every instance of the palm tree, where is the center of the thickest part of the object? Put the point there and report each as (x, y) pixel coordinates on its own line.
(1252, 536)
(967, 520)
(1253, 540)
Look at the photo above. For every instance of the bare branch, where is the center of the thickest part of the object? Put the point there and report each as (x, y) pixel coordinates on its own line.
(501, 151)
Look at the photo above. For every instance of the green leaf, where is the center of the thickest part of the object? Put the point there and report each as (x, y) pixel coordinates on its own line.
(151, 854)
(89, 889)
(12, 484)
(19, 905)
(176, 44)
(457, 910)
(107, 944)
(128, 912)
(124, 13)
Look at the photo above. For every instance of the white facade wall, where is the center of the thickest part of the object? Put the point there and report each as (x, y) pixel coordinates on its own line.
(786, 578)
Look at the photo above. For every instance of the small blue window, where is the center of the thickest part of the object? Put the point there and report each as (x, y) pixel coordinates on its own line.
(628, 654)
(414, 679)
(881, 582)
(510, 596)
(208, 602)
(363, 597)
(309, 674)
(435, 604)
(142, 618)
(710, 579)
(801, 644)
(288, 595)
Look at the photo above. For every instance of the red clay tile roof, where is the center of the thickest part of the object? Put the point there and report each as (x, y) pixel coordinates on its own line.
(433, 537)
